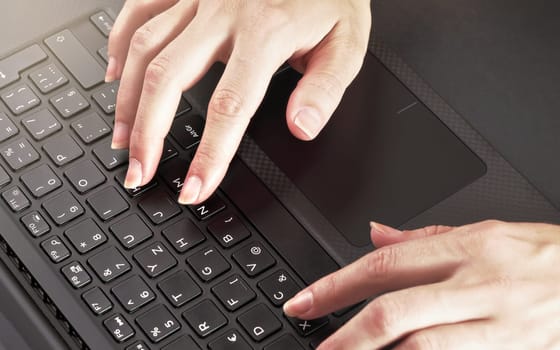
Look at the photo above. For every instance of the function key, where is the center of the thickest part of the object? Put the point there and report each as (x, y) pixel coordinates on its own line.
(131, 231)
(183, 235)
(228, 230)
(208, 264)
(233, 293)
(97, 301)
(205, 318)
(48, 78)
(20, 99)
(179, 288)
(7, 127)
(19, 154)
(155, 259)
(187, 130)
(106, 97)
(85, 176)
(133, 293)
(76, 275)
(279, 287)
(110, 158)
(119, 328)
(63, 208)
(182, 343)
(69, 103)
(254, 258)
(306, 327)
(86, 236)
(285, 342)
(159, 207)
(11, 66)
(109, 264)
(62, 150)
(139, 345)
(103, 22)
(231, 340)
(55, 249)
(91, 128)
(41, 181)
(16, 199)
(158, 323)
(209, 208)
(108, 203)
(259, 322)
(41, 124)
(35, 224)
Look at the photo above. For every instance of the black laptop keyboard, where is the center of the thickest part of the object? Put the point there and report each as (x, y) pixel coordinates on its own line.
(152, 273)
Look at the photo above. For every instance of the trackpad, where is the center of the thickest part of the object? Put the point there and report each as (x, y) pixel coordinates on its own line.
(383, 156)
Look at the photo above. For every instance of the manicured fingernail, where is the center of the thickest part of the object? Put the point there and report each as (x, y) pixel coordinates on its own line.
(309, 121)
(134, 175)
(191, 190)
(383, 229)
(300, 304)
(120, 136)
(111, 73)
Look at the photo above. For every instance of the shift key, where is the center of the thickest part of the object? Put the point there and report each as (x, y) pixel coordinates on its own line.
(11, 66)
(76, 58)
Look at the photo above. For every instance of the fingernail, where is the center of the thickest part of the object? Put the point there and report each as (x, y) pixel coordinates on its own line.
(111, 73)
(309, 121)
(120, 136)
(383, 229)
(191, 190)
(134, 175)
(300, 304)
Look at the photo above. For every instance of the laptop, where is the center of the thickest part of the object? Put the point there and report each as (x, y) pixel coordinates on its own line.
(87, 264)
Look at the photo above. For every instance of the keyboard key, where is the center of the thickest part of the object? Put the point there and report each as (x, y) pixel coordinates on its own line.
(230, 341)
(158, 323)
(48, 78)
(184, 106)
(16, 199)
(19, 154)
(97, 301)
(106, 97)
(76, 58)
(159, 207)
(254, 258)
(104, 53)
(169, 151)
(134, 192)
(85, 176)
(119, 328)
(55, 249)
(182, 343)
(228, 230)
(41, 124)
(69, 103)
(179, 288)
(174, 172)
(20, 99)
(110, 158)
(131, 231)
(285, 342)
(208, 264)
(209, 208)
(187, 130)
(259, 322)
(76, 275)
(7, 127)
(133, 293)
(138, 345)
(155, 259)
(11, 66)
(108, 203)
(103, 22)
(63, 208)
(233, 293)
(35, 224)
(279, 287)
(306, 327)
(91, 128)
(41, 181)
(4, 177)
(62, 150)
(86, 236)
(183, 235)
(205, 318)
(109, 264)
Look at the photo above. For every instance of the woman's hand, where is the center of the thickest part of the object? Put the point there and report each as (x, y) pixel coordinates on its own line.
(490, 285)
(159, 48)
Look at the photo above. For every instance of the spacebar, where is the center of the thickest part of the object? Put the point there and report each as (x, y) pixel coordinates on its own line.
(76, 58)
(286, 235)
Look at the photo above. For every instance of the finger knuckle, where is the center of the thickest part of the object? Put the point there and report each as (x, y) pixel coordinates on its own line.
(142, 40)
(380, 263)
(383, 316)
(227, 103)
(157, 73)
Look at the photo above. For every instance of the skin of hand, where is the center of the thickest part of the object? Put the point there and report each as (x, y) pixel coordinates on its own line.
(489, 285)
(160, 48)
